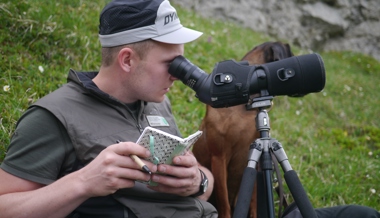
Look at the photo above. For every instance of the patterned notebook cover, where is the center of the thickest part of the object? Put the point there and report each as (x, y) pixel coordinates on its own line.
(164, 146)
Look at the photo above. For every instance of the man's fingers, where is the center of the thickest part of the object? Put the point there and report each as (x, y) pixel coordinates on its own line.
(119, 154)
(187, 160)
(128, 148)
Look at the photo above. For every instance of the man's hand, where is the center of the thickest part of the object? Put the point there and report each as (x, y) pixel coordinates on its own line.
(114, 169)
(182, 178)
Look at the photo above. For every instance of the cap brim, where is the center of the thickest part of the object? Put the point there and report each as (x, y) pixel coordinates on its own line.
(180, 36)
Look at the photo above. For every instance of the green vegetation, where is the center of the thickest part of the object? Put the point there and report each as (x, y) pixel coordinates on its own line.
(332, 138)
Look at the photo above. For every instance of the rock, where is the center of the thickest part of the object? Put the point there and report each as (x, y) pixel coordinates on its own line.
(317, 25)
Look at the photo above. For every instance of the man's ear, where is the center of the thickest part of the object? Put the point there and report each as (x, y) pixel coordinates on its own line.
(124, 58)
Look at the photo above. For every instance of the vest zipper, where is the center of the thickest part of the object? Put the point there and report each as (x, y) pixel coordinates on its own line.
(139, 114)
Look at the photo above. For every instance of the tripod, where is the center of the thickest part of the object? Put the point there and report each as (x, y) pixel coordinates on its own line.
(261, 148)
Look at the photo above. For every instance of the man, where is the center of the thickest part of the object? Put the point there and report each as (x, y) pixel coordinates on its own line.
(63, 160)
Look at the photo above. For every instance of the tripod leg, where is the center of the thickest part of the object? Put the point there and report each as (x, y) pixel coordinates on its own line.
(248, 182)
(267, 169)
(299, 195)
(245, 193)
(293, 182)
(262, 211)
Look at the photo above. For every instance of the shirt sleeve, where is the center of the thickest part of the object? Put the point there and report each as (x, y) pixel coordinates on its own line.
(40, 149)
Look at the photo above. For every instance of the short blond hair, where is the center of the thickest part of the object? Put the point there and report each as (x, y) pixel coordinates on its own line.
(141, 48)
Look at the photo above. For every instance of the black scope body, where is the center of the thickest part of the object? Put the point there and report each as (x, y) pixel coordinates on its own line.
(231, 83)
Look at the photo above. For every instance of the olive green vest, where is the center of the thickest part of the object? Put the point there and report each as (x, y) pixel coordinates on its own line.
(95, 120)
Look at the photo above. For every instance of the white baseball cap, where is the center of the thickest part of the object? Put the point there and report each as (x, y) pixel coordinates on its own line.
(128, 21)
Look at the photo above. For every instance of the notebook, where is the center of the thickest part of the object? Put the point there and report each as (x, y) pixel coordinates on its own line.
(164, 146)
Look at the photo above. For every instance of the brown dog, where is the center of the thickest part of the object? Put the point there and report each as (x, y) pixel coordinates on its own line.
(227, 133)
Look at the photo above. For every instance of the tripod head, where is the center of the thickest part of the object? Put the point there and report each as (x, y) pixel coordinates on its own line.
(260, 102)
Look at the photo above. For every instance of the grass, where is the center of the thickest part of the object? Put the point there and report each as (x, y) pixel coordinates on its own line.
(332, 138)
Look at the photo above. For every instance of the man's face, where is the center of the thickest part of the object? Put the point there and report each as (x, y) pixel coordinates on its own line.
(150, 79)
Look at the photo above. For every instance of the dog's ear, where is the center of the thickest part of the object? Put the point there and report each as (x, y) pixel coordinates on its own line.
(288, 50)
(280, 51)
(268, 52)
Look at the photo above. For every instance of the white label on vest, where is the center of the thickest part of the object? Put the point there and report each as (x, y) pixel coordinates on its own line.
(157, 121)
